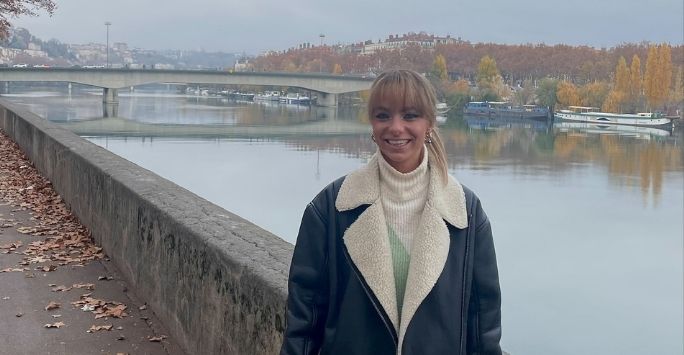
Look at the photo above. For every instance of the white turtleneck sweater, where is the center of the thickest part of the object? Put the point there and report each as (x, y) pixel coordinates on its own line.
(403, 198)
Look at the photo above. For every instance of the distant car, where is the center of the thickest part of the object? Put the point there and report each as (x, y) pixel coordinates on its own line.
(20, 65)
(41, 66)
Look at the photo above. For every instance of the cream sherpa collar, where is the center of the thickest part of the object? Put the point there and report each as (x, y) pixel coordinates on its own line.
(362, 187)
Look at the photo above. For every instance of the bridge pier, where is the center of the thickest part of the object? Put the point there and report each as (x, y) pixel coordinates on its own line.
(110, 102)
(326, 100)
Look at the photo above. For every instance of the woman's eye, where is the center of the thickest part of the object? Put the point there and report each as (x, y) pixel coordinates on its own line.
(411, 116)
(382, 116)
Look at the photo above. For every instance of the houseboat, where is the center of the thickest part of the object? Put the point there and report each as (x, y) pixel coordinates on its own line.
(592, 115)
(267, 96)
(502, 109)
(295, 99)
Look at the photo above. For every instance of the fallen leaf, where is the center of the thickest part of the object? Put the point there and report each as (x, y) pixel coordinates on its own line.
(54, 325)
(47, 268)
(157, 338)
(143, 307)
(56, 315)
(18, 315)
(60, 288)
(86, 286)
(6, 298)
(52, 305)
(96, 328)
(121, 337)
(25, 230)
(9, 269)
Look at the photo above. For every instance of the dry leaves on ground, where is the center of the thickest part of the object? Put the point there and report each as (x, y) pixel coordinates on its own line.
(52, 305)
(157, 339)
(97, 328)
(67, 241)
(60, 288)
(101, 308)
(54, 325)
(11, 269)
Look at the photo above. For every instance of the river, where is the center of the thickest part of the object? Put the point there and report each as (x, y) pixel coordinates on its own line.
(588, 223)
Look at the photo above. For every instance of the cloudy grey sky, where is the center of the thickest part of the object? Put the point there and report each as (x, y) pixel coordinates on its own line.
(253, 26)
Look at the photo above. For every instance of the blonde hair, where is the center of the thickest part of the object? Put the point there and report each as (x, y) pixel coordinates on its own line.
(413, 90)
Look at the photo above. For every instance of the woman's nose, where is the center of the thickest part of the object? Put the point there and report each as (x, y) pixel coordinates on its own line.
(396, 124)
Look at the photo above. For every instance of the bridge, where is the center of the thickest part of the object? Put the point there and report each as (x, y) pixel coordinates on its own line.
(326, 86)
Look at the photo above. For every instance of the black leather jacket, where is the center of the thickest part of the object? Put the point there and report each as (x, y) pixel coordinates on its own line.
(332, 310)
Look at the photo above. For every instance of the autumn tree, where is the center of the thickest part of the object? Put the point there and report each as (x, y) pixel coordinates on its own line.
(594, 94)
(622, 77)
(621, 88)
(15, 8)
(487, 72)
(677, 92)
(489, 81)
(664, 70)
(546, 93)
(458, 94)
(525, 94)
(337, 69)
(651, 76)
(439, 68)
(635, 81)
(612, 102)
(658, 76)
(567, 94)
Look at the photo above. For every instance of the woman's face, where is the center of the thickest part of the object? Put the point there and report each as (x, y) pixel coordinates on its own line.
(400, 134)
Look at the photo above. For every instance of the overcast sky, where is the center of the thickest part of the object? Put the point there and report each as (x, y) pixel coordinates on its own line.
(253, 26)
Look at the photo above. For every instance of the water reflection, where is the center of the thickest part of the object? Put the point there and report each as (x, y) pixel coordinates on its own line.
(632, 156)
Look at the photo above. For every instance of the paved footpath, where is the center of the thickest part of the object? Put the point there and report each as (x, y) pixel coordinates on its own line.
(59, 293)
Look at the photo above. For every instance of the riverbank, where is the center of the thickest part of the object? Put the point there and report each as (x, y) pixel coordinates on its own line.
(60, 293)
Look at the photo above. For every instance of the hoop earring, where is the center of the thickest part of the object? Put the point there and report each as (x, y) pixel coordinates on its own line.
(428, 138)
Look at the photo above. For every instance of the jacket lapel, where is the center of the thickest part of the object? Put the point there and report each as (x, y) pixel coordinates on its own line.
(431, 246)
(368, 246)
(367, 240)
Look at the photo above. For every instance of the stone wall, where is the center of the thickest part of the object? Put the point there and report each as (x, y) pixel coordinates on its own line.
(217, 281)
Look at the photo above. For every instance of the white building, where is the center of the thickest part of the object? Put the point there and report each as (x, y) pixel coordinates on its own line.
(395, 42)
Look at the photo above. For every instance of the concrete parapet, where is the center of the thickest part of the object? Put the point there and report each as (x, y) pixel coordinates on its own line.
(217, 281)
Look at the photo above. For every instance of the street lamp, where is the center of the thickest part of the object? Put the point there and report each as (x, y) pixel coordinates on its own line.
(108, 24)
(320, 54)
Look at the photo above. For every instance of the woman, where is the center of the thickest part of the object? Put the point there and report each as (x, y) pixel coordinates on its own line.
(397, 257)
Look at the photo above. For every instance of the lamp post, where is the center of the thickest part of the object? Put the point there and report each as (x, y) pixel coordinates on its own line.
(320, 54)
(108, 24)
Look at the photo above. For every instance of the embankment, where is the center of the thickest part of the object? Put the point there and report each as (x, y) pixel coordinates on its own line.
(217, 281)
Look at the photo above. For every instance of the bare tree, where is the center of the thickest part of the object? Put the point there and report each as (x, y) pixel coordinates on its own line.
(16, 8)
